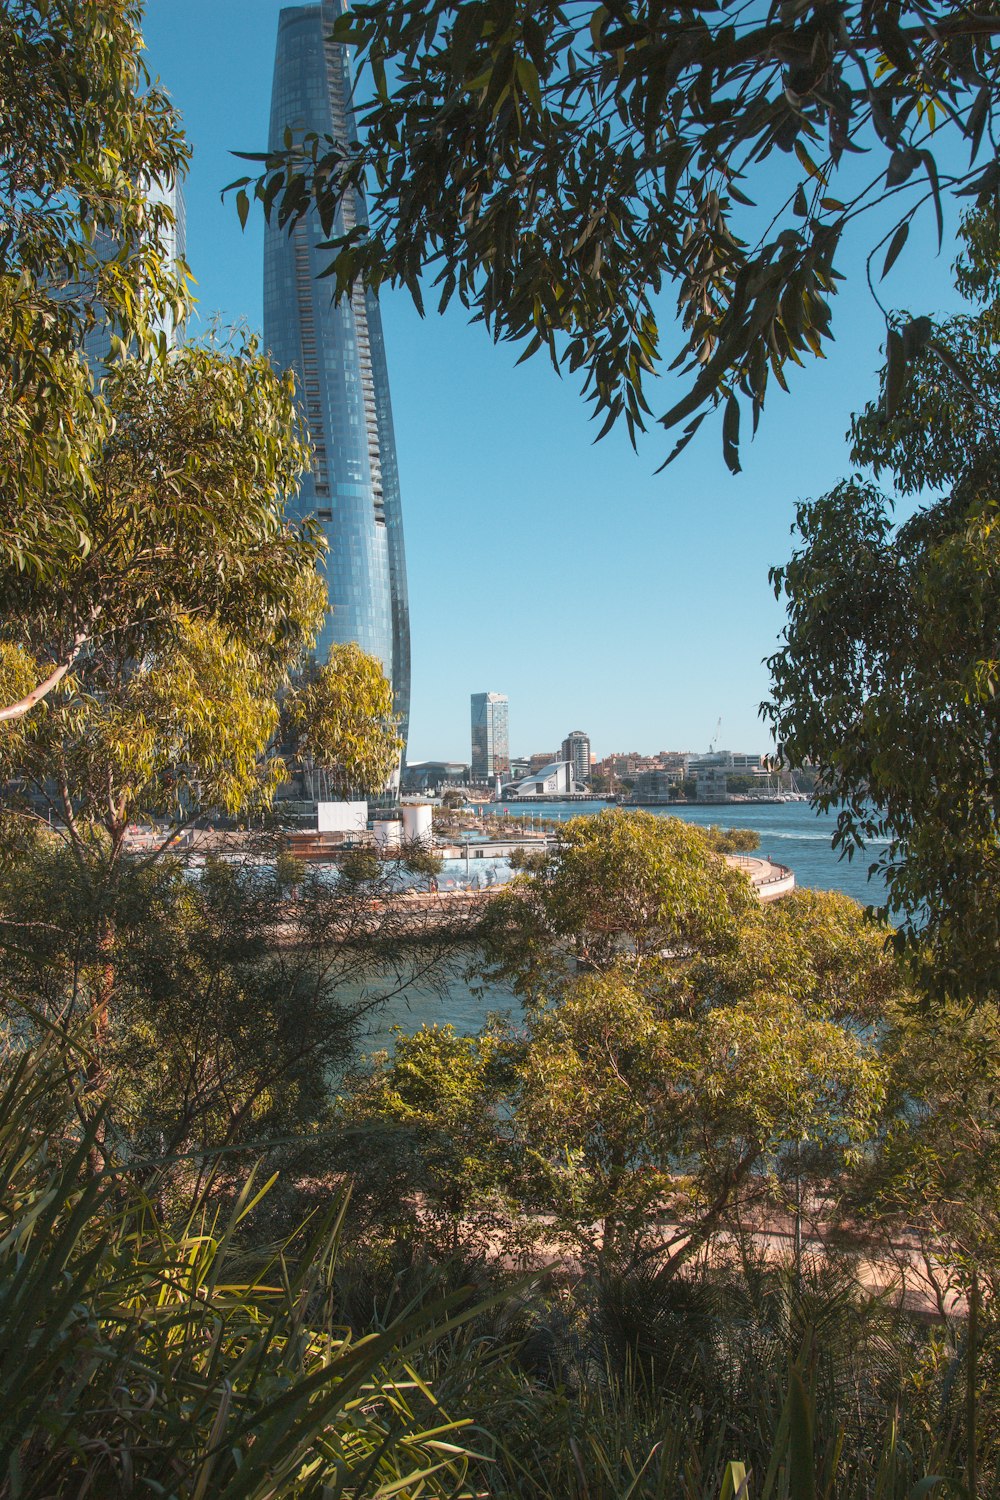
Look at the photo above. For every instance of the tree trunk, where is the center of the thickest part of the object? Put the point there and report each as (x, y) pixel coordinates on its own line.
(100, 1018)
(971, 1381)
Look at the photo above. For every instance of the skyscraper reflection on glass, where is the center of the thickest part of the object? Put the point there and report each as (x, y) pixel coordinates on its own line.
(338, 356)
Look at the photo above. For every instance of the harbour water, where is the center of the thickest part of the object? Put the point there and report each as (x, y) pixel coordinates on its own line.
(790, 833)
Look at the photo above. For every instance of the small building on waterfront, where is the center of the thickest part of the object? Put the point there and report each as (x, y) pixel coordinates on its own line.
(554, 780)
(433, 776)
(712, 772)
(657, 786)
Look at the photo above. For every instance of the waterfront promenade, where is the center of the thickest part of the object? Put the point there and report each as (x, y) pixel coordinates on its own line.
(769, 879)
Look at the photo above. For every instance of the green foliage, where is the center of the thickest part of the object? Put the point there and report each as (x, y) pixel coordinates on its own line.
(435, 1104)
(559, 169)
(359, 867)
(220, 1003)
(631, 1385)
(341, 716)
(887, 676)
(657, 1095)
(83, 136)
(173, 701)
(618, 889)
(687, 1053)
(937, 1171)
(143, 1356)
(204, 451)
(819, 946)
(733, 840)
(418, 859)
(650, 1130)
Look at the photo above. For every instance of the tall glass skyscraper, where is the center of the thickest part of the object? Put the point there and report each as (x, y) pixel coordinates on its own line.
(490, 738)
(338, 356)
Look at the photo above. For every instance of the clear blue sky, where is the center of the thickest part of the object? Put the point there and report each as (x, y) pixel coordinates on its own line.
(595, 593)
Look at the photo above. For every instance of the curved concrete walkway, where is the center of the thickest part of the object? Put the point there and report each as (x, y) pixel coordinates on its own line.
(769, 880)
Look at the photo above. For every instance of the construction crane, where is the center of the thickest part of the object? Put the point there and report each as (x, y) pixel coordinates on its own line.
(715, 738)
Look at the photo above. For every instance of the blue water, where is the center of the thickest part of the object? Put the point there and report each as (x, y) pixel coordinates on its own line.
(790, 832)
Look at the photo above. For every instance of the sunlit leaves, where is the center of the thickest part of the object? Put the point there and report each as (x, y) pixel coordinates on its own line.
(83, 137)
(620, 889)
(341, 716)
(646, 1126)
(197, 598)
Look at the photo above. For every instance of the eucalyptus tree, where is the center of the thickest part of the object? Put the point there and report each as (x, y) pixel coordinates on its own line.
(430, 1135)
(85, 135)
(688, 1060)
(197, 599)
(887, 676)
(629, 891)
(555, 168)
(648, 1128)
(237, 997)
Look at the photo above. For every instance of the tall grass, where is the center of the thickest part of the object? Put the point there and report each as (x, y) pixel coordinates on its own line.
(743, 1381)
(141, 1359)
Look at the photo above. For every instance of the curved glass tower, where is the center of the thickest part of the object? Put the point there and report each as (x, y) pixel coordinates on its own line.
(338, 356)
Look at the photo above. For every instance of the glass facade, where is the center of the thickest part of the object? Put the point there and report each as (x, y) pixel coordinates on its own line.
(338, 356)
(490, 737)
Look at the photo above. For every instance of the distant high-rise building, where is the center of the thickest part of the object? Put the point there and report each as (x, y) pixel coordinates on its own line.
(338, 356)
(490, 736)
(576, 749)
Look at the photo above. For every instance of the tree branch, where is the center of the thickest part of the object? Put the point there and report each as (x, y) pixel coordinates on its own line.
(24, 705)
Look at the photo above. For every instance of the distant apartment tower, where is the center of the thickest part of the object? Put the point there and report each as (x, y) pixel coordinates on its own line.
(490, 736)
(341, 377)
(576, 749)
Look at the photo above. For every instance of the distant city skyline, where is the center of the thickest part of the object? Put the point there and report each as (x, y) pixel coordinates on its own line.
(594, 590)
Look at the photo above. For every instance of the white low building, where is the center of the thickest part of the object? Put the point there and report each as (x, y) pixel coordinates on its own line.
(554, 780)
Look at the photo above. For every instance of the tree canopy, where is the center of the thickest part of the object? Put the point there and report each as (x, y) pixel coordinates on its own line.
(618, 890)
(84, 138)
(341, 714)
(188, 610)
(647, 1130)
(687, 1056)
(557, 168)
(84, 135)
(887, 677)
